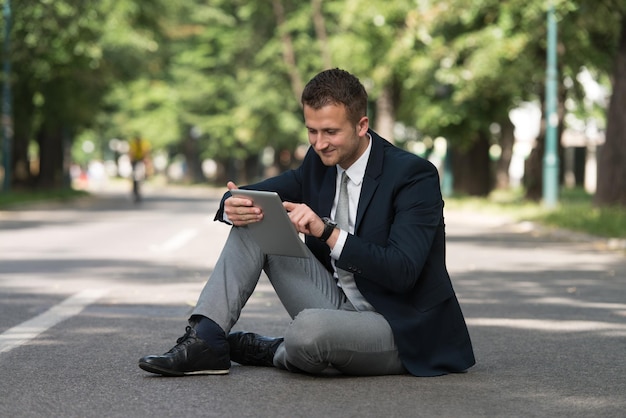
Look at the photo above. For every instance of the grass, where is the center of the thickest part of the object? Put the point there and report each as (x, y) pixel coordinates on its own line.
(20, 197)
(575, 211)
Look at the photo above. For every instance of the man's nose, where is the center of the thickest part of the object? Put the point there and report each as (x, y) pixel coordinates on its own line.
(317, 141)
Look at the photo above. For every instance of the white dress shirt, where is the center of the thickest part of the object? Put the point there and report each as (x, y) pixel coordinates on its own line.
(355, 174)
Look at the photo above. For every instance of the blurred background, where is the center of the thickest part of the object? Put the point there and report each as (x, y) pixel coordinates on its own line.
(213, 86)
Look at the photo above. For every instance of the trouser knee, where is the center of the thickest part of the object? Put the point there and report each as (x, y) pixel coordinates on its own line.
(308, 340)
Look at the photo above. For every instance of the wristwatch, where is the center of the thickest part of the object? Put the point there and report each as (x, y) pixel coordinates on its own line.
(329, 227)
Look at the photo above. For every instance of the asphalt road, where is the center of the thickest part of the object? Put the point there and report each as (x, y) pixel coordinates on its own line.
(88, 288)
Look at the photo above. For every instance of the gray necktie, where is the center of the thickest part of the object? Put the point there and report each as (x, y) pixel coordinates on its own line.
(346, 279)
(342, 214)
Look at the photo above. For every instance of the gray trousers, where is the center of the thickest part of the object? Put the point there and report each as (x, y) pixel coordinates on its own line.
(325, 331)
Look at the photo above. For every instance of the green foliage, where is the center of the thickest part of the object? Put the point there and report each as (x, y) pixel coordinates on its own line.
(479, 65)
(55, 54)
(106, 69)
(66, 56)
(150, 108)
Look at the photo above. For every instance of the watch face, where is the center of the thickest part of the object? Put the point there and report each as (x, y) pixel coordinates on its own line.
(329, 226)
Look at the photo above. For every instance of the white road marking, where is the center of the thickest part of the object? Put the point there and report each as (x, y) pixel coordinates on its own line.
(176, 242)
(30, 329)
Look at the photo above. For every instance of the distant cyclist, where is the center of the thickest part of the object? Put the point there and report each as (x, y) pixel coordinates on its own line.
(139, 153)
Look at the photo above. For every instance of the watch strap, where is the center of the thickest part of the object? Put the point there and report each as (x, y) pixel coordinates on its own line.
(329, 227)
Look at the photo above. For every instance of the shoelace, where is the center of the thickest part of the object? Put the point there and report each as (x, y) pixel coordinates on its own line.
(259, 350)
(184, 340)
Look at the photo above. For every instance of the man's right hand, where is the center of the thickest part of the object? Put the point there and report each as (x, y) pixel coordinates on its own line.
(239, 210)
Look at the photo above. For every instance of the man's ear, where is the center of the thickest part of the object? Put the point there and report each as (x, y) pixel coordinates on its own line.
(363, 126)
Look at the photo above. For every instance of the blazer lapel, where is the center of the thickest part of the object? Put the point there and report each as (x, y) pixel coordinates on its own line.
(327, 192)
(370, 180)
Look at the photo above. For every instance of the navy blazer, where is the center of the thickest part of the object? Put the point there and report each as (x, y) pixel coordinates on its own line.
(397, 253)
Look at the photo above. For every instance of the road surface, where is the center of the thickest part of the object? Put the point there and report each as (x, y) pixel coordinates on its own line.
(88, 288)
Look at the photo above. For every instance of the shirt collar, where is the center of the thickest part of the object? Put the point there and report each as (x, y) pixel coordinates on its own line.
(356, 171)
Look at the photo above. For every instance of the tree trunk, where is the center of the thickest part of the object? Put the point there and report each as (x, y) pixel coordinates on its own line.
(52, 149)
(191, 152)
(611, 183)
(320, 31)
(472, 168)
(21, 174)
(507, 140)
(385, 114)
(23, 112)
(533, 168)
(289, 54)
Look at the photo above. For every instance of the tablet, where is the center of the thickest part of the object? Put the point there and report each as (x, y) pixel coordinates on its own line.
(275, 233)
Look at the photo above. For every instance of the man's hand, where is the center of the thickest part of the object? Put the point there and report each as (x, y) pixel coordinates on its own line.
(241, 211)
(304, 219)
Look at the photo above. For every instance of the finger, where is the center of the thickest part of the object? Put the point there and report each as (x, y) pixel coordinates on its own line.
(239, 202)
(248, 219)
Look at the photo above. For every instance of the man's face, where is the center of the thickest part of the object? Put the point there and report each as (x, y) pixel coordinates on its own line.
(335, 139)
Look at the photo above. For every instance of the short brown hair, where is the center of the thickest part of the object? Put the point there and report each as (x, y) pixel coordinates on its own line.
(337, 87)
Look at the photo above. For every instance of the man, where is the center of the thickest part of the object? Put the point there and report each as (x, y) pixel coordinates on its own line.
(374, 296)
(139, 153)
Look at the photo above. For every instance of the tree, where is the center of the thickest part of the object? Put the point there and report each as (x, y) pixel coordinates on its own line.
(67, 54)
(242, 93)
(589, 33)
(611, 188)
(472, 68)
(222, 79)
(52, 41)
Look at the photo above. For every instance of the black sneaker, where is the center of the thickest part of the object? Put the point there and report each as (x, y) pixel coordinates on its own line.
(190, 356)
(252, 349)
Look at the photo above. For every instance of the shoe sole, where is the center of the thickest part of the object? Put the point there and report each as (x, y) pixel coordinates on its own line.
(172, 373)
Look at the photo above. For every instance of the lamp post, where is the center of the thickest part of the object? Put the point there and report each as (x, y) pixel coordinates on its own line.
(551, 157)
(7, 116)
